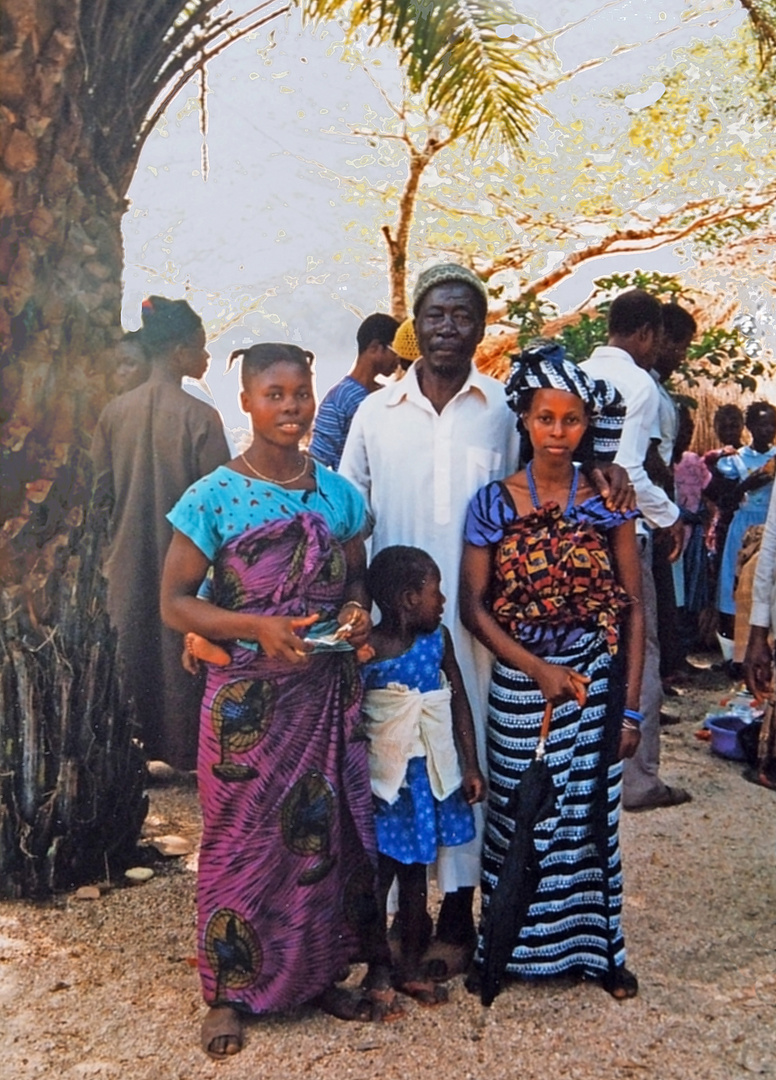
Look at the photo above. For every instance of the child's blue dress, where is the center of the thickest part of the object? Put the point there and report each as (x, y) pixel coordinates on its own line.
(752, 511)
(411, 829)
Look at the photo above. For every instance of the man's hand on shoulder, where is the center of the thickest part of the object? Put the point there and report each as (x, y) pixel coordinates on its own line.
(613, 485)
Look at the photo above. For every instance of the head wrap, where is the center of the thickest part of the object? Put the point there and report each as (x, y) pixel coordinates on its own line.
(405, 344)
(543, 365)
(449, 274)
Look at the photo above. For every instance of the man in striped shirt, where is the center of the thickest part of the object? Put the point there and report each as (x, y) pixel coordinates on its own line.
(336, 411)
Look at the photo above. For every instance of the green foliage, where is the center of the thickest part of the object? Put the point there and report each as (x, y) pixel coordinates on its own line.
(530, 313)
(580, 338)
(482, 82)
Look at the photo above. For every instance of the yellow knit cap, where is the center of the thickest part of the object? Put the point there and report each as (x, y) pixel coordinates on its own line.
(405, 344)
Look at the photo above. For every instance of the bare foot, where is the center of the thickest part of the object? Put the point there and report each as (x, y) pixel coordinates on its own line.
(222, 1032)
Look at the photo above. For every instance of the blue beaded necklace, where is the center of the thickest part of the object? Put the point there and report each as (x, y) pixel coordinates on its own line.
(534, 494)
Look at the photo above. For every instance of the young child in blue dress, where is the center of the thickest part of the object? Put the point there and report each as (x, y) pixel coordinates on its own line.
(423, 758)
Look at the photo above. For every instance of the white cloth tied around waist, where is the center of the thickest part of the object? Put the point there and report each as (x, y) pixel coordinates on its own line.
(405, 723)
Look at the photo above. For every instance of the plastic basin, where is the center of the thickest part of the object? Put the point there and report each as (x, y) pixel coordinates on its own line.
(724, 736)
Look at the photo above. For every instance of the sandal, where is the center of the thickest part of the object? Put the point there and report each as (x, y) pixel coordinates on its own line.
(424, 991)
(621, 984)
(385, 1005)
(378, 990)
(443, 959)
(340, 1003)
(222, 1033)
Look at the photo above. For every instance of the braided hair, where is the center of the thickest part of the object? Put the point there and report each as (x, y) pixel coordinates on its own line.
(260, 357)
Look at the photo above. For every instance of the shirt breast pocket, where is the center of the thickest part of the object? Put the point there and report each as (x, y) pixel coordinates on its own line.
(482, 466)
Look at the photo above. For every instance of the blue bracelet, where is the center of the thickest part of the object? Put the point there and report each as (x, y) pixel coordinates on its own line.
(631, 714)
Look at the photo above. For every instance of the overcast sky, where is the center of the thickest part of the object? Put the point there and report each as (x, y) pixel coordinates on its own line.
(272, 235)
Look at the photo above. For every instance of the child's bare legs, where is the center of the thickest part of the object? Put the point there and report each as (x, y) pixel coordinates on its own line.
(378, 982)
(413, 897)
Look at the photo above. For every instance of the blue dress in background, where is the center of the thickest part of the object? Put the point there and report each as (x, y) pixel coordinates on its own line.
(752, 511)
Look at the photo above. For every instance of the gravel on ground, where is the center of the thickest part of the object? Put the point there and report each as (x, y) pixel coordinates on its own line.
(107, 987)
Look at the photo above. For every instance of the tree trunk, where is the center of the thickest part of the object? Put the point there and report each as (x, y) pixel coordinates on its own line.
(398, 242)
(60, 293)
(71, 773)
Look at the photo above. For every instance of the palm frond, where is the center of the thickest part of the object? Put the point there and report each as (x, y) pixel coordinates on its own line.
(482, 83)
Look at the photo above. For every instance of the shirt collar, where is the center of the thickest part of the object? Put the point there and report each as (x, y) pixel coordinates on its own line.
(614, 352)
(408, 388)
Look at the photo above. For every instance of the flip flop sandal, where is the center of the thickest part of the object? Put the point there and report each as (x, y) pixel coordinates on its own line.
(622, 985)
(340, 1003)
(425, 992)
(222, 1022)
(443, 960)
(385, 1005)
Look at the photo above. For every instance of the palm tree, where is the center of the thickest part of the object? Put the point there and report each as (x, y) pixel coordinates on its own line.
(473, 79)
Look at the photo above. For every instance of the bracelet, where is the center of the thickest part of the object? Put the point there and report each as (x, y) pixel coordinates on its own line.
(630, 725)
(354, 603)
(632, 714)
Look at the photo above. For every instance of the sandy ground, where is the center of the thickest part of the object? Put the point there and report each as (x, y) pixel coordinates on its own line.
(106, 988)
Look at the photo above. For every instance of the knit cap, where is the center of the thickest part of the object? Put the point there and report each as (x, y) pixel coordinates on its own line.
(405, 344)
(446, 274)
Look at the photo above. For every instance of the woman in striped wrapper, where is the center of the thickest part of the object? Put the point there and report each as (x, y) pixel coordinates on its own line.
(551, 585)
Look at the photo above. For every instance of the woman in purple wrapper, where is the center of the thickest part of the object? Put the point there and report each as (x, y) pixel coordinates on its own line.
(287, 864)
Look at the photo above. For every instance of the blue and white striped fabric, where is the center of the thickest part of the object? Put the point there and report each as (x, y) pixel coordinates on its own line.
(543, 364)
(333, 419)
(568, 927)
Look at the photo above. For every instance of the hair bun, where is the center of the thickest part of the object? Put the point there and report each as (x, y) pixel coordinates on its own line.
(168, 322)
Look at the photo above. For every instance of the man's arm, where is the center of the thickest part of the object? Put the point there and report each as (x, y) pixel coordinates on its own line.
(659, 511)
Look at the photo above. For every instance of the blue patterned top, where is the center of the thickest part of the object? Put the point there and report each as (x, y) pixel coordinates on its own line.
(492, 511)
(741, 465)
(419, 668)
(225, 503)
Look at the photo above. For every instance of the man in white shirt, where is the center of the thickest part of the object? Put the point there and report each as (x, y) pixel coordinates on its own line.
(635, 328)
(418, 451)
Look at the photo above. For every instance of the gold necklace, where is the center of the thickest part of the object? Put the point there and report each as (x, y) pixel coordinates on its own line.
(271, 479)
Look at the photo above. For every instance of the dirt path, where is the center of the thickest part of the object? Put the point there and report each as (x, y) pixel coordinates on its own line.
(105, 988)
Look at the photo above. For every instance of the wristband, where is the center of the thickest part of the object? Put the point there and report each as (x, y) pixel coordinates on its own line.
(630, 725)
(354, 603)
(632, 714)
